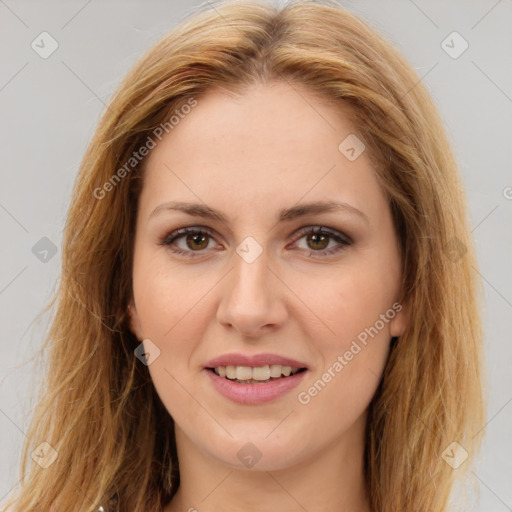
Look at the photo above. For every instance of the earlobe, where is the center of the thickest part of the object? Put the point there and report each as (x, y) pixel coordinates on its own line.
(400, 321)
(134, 321)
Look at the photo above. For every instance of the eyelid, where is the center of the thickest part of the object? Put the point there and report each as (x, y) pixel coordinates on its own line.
(319, 228)
(177, 233)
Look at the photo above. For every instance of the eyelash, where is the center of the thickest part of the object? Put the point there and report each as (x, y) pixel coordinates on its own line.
(341, 238)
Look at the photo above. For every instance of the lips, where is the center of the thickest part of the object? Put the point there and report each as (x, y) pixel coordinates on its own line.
(253, 361)
(254, 379)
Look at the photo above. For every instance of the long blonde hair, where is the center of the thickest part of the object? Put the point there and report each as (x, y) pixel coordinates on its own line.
(99, 409)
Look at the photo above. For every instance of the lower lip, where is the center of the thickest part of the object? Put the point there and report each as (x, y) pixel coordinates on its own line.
(251, 394)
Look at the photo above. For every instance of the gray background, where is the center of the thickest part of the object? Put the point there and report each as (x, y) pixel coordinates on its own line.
(49, 108)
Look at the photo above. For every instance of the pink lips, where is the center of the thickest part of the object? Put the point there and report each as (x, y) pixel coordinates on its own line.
(253, 394)
(255, 360)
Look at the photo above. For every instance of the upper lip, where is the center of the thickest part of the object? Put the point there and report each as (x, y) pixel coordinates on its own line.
(253, 360)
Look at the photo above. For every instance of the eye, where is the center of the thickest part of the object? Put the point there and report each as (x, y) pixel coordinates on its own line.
(318, 239)
(195, 240)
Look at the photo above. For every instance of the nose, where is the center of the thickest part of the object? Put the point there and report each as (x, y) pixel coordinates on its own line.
(252, 301)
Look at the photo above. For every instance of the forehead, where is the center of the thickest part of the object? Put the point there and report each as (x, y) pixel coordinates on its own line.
(275, 120)
(274, 144)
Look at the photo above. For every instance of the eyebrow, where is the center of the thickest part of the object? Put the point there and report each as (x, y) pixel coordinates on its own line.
(284, 215)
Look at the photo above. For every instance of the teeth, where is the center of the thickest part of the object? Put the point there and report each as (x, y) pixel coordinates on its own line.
(261, 373)
(275, 370)
(243, 372)
(258, 373)
(230, 372)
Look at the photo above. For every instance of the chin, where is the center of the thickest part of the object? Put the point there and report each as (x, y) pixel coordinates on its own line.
(260, 451)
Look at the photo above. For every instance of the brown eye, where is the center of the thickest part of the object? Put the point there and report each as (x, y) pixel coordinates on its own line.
(318, 241)
(195, 240)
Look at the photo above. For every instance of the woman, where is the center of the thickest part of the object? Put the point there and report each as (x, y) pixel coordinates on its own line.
(267, 298)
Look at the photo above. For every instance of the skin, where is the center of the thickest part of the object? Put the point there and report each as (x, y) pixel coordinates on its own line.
(250, 156)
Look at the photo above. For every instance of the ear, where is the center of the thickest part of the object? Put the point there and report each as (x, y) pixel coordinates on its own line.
(400, 321)
(134, 321)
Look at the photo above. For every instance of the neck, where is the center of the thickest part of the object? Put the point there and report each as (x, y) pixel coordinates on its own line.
(327, 481)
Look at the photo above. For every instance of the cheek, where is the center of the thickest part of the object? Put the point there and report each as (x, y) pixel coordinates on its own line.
(168, 296)
(351, 363)
(357, 308)
(171, 313)
(347, 301)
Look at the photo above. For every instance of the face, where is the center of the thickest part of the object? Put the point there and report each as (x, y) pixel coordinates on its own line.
(263, 283)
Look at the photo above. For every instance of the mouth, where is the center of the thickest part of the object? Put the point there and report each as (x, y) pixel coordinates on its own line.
(253, 379)
(256, 374)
